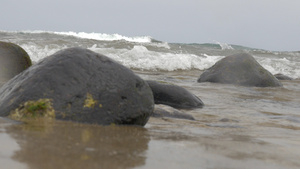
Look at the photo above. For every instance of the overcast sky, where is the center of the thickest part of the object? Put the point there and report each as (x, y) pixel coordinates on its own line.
(266, 24)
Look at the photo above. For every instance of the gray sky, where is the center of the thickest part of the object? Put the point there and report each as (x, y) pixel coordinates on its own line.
(266, 24)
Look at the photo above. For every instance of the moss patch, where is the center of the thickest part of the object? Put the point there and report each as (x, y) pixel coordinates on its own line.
(89, 101)
(41, 108)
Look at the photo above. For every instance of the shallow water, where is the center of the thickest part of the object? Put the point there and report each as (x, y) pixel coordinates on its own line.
(239, 127)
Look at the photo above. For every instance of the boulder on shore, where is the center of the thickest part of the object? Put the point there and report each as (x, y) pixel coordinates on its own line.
(239, 69)
(174, 96)
(13, 60)
(79, 85)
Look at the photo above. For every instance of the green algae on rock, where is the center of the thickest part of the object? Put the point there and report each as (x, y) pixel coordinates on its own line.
(41, 108)
(89, 101)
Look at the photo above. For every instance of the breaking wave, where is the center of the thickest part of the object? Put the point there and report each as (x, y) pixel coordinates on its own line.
(145, 53)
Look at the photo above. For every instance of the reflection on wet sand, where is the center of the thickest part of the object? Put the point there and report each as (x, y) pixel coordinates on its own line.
(163, 143)
(198, 145)
(239, 127)
(72, 145)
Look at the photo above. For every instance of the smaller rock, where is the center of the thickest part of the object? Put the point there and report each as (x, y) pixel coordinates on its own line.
(239, 69)
(174, 96)
(228, 120)
(13, 60)
(280, 76)
(167, 111)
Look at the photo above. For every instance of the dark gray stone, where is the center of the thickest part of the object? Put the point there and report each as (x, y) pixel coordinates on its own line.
(280, 76)
(13, 60)
(84, 87)
(239, 69)
(167, 111)
(174, 96)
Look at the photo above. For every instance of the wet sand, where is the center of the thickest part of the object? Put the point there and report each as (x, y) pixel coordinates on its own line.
(239, 127)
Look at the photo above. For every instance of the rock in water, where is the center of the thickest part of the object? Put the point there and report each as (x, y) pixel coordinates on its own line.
(166, 111)
(84, 87)
(280, 76)
(13, 60)
(240, 69)
(174, 96)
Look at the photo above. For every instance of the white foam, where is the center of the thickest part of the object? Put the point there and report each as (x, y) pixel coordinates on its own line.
(280, 65)
(160, 45)
(95, 36)
(210, 60)
(139, 57)
(106, 37)
(147, 56)
(37, 53)
(223, 46)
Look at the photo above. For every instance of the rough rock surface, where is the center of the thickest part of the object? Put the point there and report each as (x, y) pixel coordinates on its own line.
(84, 87)
(174, 96)
(13, 60)
(239, 69)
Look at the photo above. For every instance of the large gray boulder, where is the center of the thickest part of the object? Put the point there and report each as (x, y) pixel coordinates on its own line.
(13, 60)
(79, 85)
(239, 69)
(173, 95)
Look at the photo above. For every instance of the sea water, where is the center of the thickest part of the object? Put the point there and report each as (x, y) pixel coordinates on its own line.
(239, 127)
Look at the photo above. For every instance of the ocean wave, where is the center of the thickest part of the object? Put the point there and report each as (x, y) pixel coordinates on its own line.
(139, 57)
(98, 36)
(37, 53)
(280, 65)
(92, 35)
(106, 37)
(143, 54)
(224, 46)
